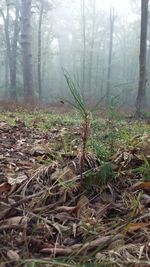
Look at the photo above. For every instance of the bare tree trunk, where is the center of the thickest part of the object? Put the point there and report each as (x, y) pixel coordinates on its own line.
(141, 97)
(11, 49)
(14, 53)
(97, 70)
(6, 74)
(26, 49)
(112, 21)
(45, 59)
(84, 46)
(92, 47)
(8, 46)
(39, 51)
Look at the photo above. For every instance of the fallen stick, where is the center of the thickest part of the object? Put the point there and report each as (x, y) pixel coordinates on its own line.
(80, 249)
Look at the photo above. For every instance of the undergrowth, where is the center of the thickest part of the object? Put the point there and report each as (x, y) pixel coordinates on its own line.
(107, 136)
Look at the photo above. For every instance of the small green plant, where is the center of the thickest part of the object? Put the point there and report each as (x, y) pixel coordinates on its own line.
(79, 104)
(112, 108)
(134, 204)
(111, 124)
(146, 114)
(103, 176)
(106, 173)
(144, 170)
(102, 152)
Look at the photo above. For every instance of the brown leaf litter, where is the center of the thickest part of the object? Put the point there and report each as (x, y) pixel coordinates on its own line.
(45, 212)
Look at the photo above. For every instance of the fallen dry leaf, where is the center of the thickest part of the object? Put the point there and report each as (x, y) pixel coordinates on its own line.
(141, 185)
(83, 211)
(17, 179)
(13, 255)
(132, 227)
(4, 187)
(18, 220)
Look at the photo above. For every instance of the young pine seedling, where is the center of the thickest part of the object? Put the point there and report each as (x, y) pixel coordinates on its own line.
(79, 104)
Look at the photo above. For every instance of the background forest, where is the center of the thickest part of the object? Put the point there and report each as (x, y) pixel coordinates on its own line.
(74, 182)
(95, 41)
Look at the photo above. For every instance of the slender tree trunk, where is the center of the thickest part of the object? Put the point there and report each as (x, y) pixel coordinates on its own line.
(11, 49)
(141, 97)
(99, 80)
(14, 54)
(26, 50)
(45, 59)
(8, 46)
(6, 73)
(148, 47)
(112, 21)
(97, 70)
(91, 48)
(84, 46)
(39, 51)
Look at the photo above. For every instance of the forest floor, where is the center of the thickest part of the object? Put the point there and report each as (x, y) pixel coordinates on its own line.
(48, 217)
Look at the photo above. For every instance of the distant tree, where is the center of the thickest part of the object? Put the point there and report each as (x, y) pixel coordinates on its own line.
(11, 45)
(76, 35)
(141, 97)
(92, 43)
(14, 52)
(84, 45)
(43, 7)
(111, 38)
(26, 41)
(39, 48)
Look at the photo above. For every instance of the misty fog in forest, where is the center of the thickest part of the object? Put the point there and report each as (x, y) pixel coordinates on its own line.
(74, 133)
(96, 41)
